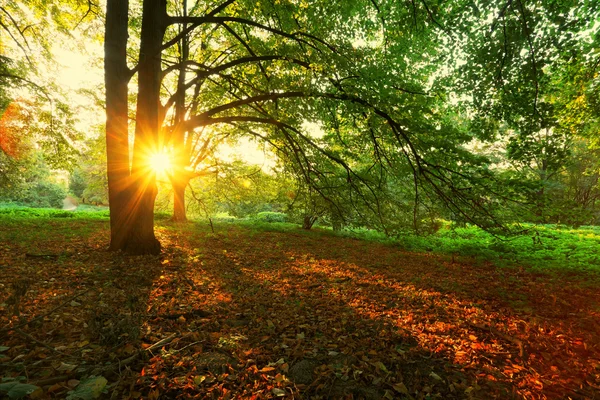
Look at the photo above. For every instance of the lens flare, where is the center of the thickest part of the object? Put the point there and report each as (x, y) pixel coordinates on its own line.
(160, 162)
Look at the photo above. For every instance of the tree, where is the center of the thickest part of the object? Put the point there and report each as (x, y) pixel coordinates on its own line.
(34, 110)
(88, 180)
(375, 75)
(526, 77)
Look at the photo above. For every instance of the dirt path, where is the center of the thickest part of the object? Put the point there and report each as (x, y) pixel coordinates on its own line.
(69, 204)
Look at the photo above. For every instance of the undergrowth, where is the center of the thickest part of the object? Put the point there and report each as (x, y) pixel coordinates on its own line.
(541, 248)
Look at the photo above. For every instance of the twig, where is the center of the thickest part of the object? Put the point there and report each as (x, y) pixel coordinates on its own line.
(162, 342)
(9, 328)
(185, 347)
(47, 256)
(51, 381)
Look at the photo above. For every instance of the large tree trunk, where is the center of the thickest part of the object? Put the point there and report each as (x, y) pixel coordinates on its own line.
(148, 140)
(134, 195)
(117, 142)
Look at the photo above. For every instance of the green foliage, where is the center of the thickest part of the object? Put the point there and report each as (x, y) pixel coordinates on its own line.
(33, 185)
(269, 216)
(77, 182)
(15, 210)
(238, 189)
(542, 247)
(44, 194)
(88, 181)
(14, 389)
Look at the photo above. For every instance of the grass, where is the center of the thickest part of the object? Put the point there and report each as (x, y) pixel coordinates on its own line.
(82, 212)
(29, 225)
(543, 248)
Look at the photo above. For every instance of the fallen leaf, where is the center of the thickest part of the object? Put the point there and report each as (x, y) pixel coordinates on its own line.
(88, 389)
(435, 376)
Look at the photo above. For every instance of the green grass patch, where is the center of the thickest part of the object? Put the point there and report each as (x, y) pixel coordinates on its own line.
(24, 224)
(540, 248)
(82, 212)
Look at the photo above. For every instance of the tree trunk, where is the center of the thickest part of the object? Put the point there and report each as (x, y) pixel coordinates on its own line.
(308, 222)
(133, 199)
(140, 238)
(117, 138)
(181, 156)
(179, 212)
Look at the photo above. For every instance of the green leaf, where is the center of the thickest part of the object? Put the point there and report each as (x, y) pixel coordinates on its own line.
(3, 348)
(16, 390)
(88, 389)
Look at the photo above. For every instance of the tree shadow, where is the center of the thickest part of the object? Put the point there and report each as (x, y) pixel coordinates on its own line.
(436, 326)
(269, 314)
(71, 309)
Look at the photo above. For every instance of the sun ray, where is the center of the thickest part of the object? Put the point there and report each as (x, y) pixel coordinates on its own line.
(160, 162)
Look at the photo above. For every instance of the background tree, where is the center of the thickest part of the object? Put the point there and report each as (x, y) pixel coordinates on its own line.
(38, 125)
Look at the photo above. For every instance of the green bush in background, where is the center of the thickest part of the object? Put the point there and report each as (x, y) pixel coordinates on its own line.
(270, 216)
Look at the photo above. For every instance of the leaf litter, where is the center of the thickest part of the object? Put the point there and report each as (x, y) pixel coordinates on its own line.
(254, 314)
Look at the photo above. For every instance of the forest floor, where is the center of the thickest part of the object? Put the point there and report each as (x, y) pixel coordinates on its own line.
(245, 313)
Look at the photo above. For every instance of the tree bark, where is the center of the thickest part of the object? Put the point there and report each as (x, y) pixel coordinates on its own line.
(308, 221)
(117, 138)
(148, 139)
(179, 211)
(181, 156)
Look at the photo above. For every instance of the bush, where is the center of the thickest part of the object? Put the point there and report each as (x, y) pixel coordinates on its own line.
(44, 194)
(269, 216)
(224, 217)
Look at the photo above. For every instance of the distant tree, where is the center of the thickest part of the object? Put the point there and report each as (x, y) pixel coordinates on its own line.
(34, 112)
(88, 179)
(77, 182)
(240, 190)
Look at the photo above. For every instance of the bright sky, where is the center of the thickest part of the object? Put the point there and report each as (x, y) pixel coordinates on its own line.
(76, 70)
(250, 151)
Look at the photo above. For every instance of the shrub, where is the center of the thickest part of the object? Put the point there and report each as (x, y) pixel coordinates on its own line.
(269, 216)
(44, 194)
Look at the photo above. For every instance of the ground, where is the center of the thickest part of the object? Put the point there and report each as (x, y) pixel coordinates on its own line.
(245, 313)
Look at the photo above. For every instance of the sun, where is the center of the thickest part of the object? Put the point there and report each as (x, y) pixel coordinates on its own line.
(160, 162)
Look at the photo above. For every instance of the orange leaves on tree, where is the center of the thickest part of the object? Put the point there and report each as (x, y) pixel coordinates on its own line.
(14, 126)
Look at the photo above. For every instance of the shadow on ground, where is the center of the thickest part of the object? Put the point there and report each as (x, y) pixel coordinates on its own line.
(246, 314)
